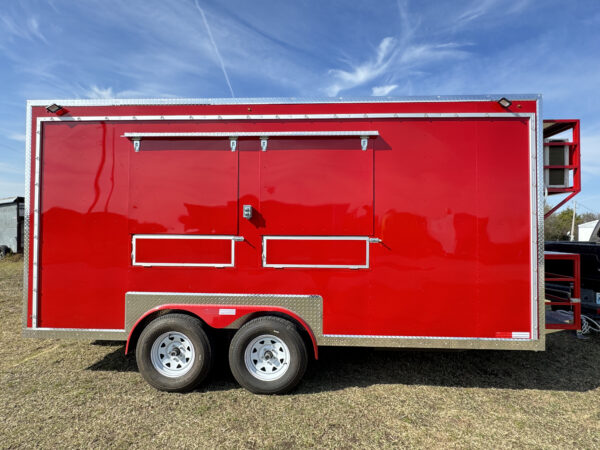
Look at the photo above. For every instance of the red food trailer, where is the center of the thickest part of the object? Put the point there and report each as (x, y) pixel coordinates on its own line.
(296, 223)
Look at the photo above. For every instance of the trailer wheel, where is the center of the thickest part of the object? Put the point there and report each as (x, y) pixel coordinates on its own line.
(268, 356)
(174, 353)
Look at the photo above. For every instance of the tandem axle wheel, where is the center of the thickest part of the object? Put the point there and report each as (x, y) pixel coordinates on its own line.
(267, 355)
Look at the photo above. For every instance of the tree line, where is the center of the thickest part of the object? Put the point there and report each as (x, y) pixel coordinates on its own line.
(557, 227)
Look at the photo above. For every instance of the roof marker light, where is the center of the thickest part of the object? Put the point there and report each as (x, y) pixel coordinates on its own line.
(53, 108)
(56, 109)
(504, 102)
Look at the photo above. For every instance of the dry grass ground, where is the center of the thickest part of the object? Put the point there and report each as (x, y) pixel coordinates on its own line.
(57, 394)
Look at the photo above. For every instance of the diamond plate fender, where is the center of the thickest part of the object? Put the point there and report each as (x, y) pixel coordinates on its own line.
(226, 310)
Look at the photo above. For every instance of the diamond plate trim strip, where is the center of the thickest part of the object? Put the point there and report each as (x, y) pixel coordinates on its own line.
(310, 309)
(26, 214)
(541, 323)
(432, 342)
(75, 333)
(307, 307)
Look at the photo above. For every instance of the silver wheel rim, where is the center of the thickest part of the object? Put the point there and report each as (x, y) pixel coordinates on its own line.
(172, 354)
(267, 357)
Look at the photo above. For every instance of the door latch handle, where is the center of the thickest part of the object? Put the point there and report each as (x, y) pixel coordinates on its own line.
(247, 212)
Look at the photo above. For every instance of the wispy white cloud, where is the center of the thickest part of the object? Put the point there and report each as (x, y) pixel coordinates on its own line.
(173, 50)
(10, 169)
(422, 54)
(478, 10)
(165, 50)
(474, 11)
(214, 44)
(401, 57)
(16, 136)
(28, 30)
(408, 24)
(363, 72)
(33, 27)
(383, 90)
(146, 90)
(394, 61)
(96, 92)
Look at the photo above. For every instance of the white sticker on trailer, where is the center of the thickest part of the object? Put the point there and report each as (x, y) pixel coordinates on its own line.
(227, 312)
(520, 334)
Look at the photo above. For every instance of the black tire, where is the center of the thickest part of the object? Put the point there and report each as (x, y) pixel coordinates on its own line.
(191, 328)
(296, 354)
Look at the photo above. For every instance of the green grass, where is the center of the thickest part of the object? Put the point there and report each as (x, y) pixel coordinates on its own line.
(57, 394)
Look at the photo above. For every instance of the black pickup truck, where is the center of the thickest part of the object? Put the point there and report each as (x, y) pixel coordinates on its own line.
(590, 268)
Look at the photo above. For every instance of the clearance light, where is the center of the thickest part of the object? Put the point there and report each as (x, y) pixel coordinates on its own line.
(56, 109)
(504, 102)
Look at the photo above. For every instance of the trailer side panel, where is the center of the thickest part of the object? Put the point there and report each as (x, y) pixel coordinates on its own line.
(419, 228)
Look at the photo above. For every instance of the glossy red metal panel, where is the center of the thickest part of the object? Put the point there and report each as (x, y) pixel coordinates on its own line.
(183, 251)
(316, 187)
(451, 205)
(183, 186)
(452, 202)
(317, 252)
(85, 247)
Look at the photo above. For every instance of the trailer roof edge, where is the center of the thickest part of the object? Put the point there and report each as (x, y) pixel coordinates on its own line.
(277, 100)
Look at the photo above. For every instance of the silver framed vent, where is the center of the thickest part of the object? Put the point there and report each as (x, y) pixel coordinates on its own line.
(556, 155)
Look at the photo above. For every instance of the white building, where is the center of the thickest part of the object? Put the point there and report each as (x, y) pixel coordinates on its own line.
(585, 230)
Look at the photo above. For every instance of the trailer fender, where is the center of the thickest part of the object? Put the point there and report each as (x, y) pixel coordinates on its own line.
(219, 317)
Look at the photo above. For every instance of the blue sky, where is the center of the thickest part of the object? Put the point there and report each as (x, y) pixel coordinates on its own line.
(187, 48)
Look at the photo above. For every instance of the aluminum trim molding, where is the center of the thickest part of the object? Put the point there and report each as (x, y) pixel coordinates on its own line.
(250, 134)
(316, 238)
(541, 286)
(218, 294)
(137, 237)
(445, 338)
(367, 239)
(103, 330)
(280, 100)
(533, 224)
(535, 189)
(28, 126)
(36, 225)
(221, 117)
(75, 333)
